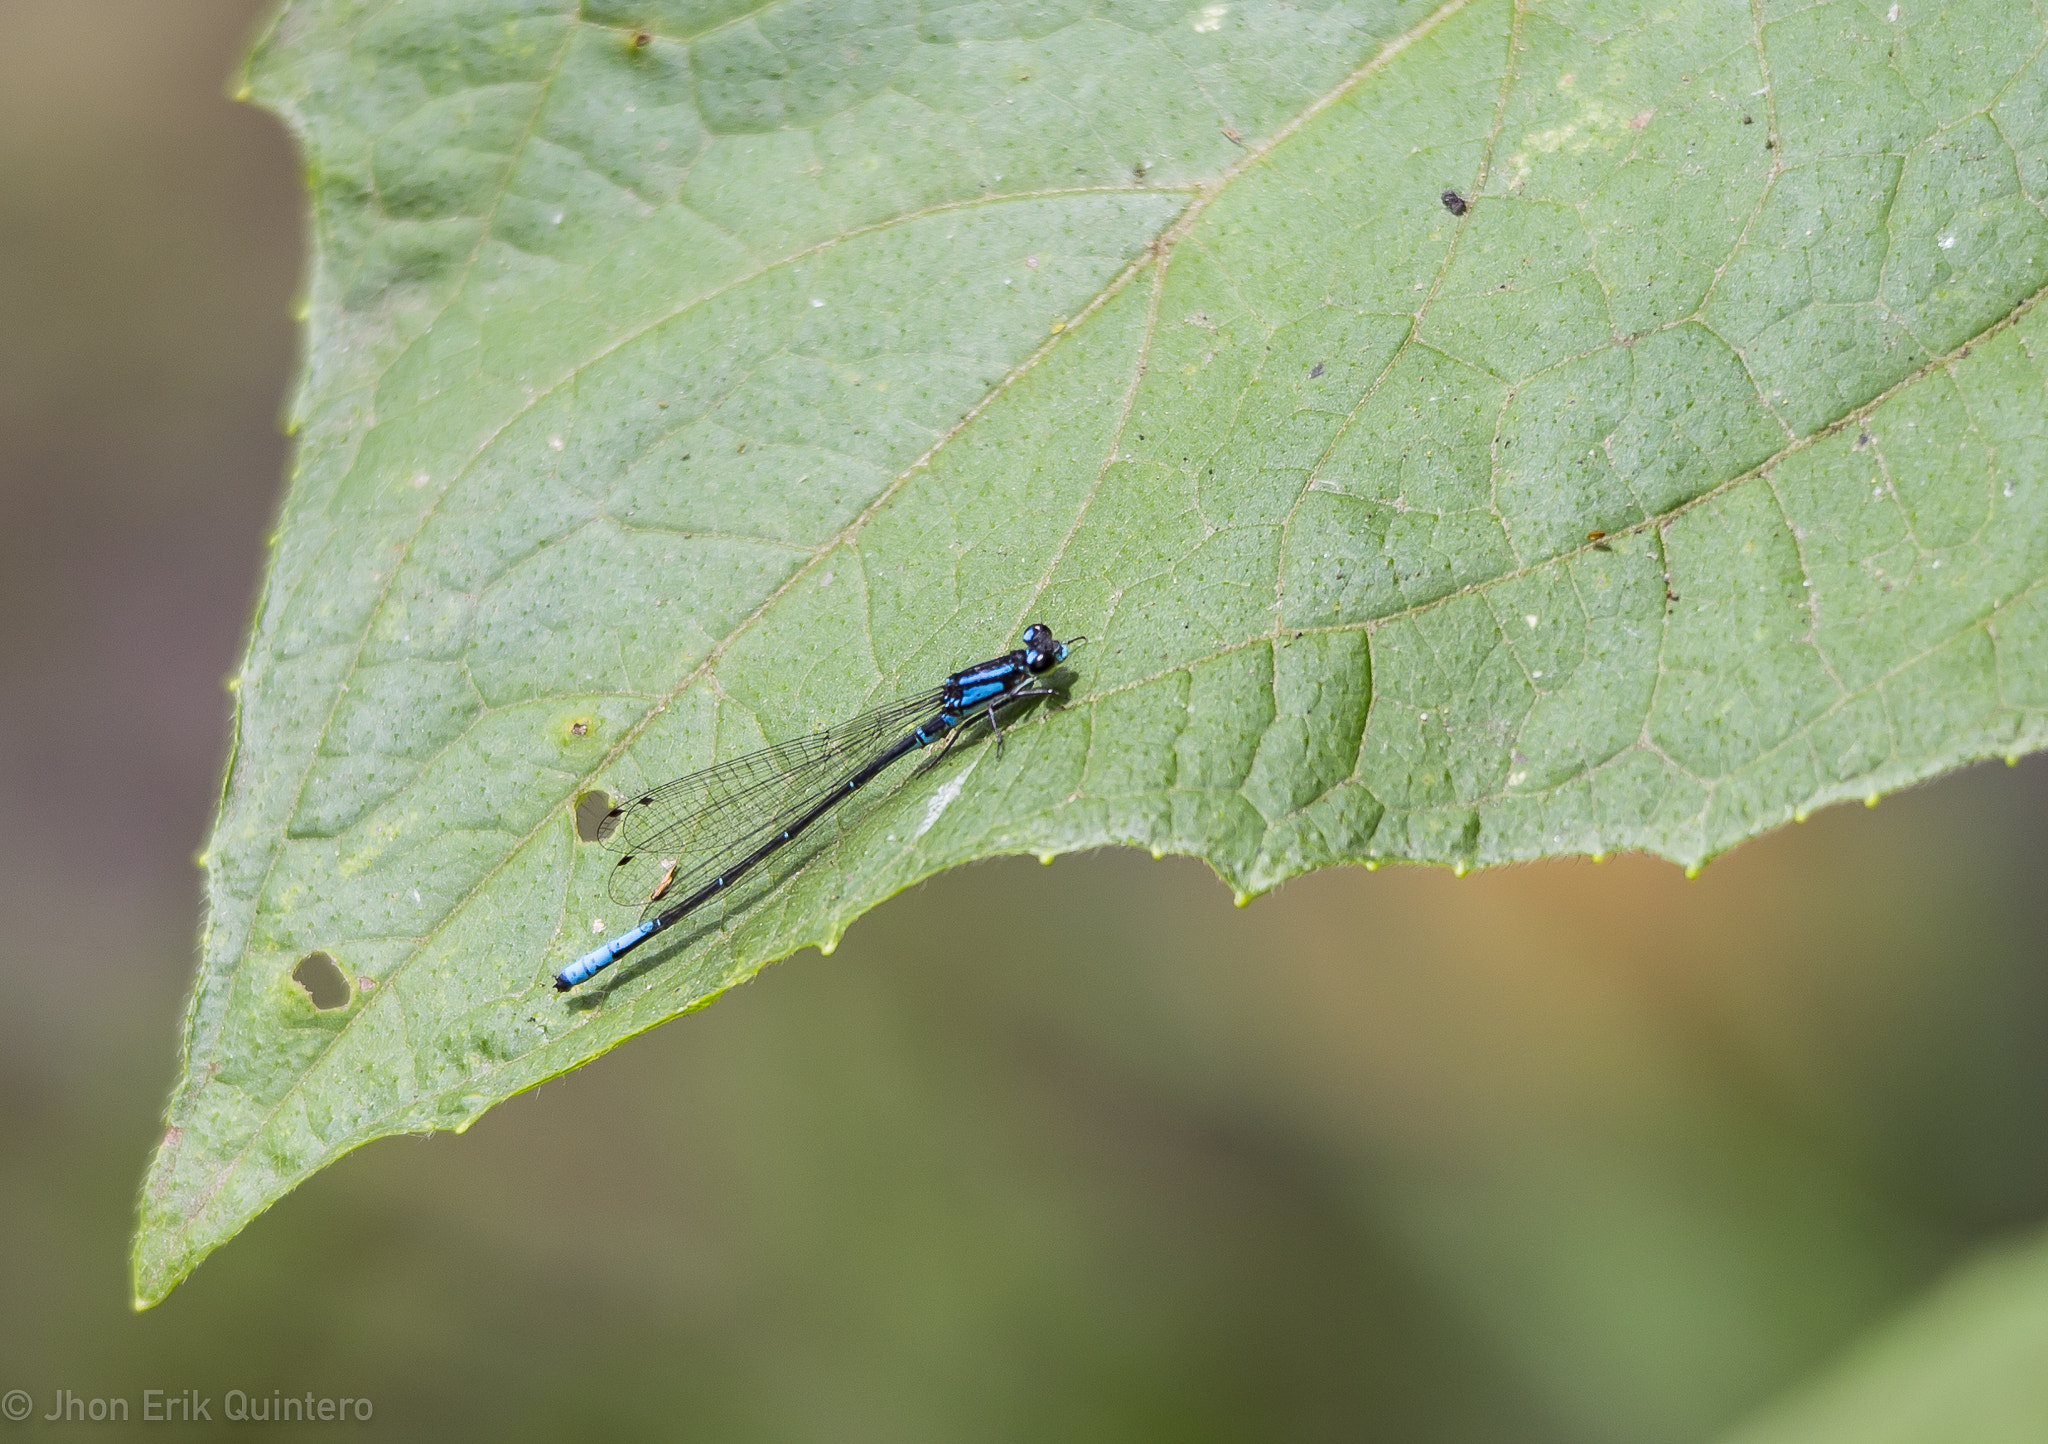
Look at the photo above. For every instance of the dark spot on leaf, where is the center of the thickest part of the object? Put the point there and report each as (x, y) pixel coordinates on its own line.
(1747, 121)
(580, 727)
(323, 982)
(1456, 204)
(591, 810)
(1315, 371)
(641, 39)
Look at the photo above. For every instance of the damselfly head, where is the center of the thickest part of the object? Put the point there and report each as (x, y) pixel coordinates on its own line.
(1042, 650)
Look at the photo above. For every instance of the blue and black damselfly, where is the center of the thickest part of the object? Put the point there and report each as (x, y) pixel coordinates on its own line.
(687, 841)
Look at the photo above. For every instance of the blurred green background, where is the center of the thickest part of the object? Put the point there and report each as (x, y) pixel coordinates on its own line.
(1568, 1152)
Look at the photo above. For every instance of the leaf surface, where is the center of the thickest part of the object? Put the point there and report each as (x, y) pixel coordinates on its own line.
(683, 377)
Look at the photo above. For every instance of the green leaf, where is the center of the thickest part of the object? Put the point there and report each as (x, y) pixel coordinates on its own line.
(1963, 1363)
(685, 376)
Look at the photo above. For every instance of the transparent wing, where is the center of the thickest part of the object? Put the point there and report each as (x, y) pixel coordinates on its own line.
(682, 831)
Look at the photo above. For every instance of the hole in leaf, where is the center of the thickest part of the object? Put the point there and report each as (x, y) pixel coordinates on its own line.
(323, 982)
(591, 810)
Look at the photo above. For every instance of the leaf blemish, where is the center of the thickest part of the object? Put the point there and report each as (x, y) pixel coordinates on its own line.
(592, 808)
(322, 981)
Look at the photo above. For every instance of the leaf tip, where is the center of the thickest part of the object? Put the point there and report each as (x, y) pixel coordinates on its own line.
(151, 1276)
(144, 1295)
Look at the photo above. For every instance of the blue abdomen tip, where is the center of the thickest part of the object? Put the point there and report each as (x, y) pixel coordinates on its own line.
(599, 958)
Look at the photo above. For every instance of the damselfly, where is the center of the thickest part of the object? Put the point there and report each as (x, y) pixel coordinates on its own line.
(687, 841)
